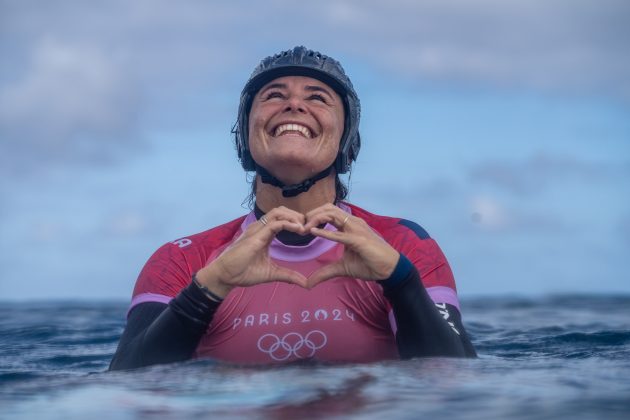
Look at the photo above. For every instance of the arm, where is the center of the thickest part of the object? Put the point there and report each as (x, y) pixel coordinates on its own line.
(159, 333)
(423, 328)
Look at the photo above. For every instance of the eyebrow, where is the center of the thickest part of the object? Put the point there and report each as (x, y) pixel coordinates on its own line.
(310, 88)
(274, 86)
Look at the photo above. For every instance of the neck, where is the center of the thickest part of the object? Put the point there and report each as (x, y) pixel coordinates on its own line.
(269, 197)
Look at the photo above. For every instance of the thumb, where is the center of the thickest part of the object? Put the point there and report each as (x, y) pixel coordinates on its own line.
(326, 272)
(289, 276)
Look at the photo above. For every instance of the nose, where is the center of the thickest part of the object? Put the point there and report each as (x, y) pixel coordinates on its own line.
(295, 104)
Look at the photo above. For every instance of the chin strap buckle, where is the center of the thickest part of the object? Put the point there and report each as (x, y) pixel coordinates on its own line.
(293, 190)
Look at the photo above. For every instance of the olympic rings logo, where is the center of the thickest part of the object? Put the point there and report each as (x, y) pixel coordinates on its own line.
(292, 344)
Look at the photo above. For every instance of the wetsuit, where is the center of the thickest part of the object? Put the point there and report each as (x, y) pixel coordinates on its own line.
(415, 312)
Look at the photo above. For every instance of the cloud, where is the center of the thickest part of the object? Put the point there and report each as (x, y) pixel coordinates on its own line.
(72, 103)
(458, 210)
(555, 45)
(79, 80)
(493, 214)
(537, 172)
(488, 212)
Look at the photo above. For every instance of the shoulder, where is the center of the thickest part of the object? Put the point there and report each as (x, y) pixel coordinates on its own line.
(203, 242)
(175, 261)
(211, 238)
(390, 227)
(413, 241)
(170, 268)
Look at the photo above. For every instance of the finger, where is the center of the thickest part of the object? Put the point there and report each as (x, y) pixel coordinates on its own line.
(334, 217)
(252, 229)
(322, 208)
(337, 236)
(325, 273)
(286, 275)
(280, 225)
(281, 214)
(284, 213)
(325, 209)
(269, 231)
(314, 220)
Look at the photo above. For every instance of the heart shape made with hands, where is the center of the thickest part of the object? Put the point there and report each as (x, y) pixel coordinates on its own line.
(246, 261)
(366, 255)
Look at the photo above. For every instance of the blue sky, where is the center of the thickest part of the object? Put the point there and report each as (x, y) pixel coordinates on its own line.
(501, 127)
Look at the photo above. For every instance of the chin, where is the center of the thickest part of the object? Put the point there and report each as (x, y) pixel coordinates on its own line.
(293, 170)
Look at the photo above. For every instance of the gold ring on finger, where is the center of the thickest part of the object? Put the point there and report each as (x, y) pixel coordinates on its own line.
(344, 221)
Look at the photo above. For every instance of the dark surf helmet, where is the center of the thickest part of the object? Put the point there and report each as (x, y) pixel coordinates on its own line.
(301, 61)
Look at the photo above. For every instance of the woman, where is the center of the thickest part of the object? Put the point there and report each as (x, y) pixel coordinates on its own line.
(305, 275)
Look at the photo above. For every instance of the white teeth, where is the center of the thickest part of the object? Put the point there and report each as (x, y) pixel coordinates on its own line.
(292, 127)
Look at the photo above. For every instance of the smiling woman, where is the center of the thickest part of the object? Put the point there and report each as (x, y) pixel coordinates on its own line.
(295, 125)
(305, 275)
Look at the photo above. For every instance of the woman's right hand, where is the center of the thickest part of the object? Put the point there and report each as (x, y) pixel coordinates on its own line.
(246, 262)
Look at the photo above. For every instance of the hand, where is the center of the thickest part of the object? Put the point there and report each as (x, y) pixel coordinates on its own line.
(246, 262)
(366, 256)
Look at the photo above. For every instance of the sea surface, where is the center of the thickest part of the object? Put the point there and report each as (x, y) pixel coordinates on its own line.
(556, 357)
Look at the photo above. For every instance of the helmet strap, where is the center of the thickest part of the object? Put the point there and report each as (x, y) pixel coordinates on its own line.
(295, 189)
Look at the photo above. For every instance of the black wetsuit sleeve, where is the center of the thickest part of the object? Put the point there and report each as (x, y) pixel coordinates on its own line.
(158, 333)
(424, 328)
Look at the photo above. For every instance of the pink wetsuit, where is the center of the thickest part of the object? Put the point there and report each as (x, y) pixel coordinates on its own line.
(342, 319)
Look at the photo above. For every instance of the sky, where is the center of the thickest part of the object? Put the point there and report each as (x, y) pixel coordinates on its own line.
(501, 127)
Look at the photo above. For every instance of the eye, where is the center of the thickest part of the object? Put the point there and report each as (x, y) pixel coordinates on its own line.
(318, 97)
(274, 94)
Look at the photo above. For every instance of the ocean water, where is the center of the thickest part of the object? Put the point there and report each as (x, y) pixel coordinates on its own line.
(557, 357)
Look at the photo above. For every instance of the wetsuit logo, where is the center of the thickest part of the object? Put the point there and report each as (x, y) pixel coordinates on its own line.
(444, 312)
(292, 344)
(182, 242)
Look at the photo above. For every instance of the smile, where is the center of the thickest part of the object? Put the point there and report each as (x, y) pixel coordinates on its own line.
(292, 128)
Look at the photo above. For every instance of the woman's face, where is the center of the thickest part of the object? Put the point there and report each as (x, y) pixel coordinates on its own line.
(295, 126)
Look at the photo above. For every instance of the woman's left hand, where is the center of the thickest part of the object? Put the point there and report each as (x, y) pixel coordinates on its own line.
(367, 256)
